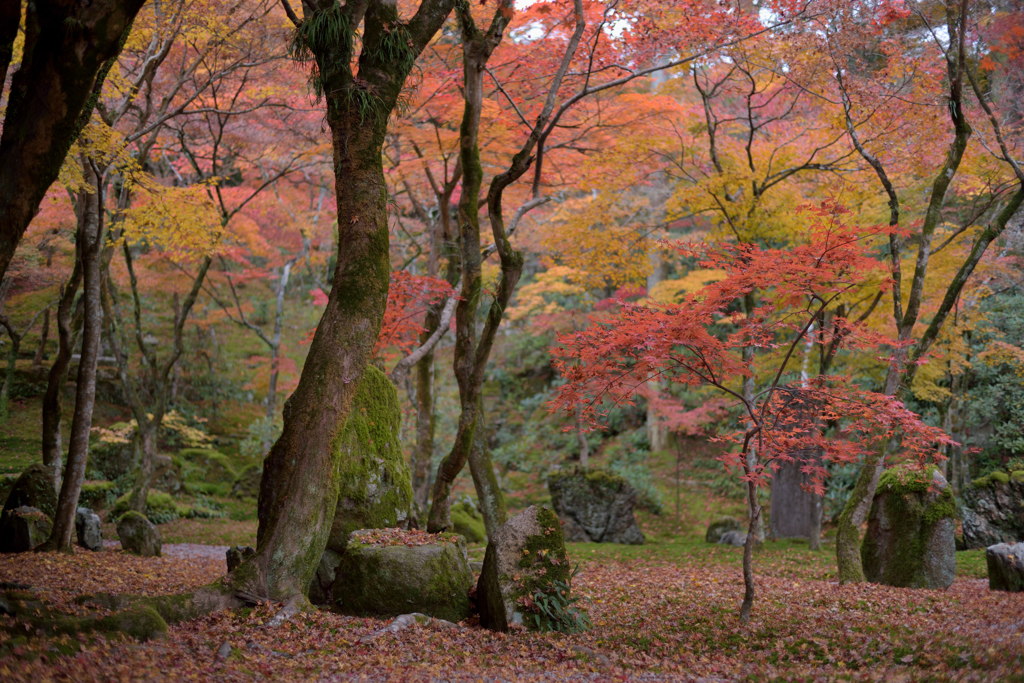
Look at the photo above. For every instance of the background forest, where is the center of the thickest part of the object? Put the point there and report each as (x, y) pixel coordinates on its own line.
(552, 170)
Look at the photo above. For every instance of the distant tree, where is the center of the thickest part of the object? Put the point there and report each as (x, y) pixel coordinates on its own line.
(710, 339)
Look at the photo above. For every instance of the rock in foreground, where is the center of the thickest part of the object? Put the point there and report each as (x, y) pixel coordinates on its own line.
(388, 572)
(23, 528)
(87, 529)
(526, 558)
(1005, 567)
(910, 537)
(138, 535)
(595, 506)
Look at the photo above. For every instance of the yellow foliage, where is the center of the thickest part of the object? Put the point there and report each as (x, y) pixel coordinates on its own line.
(672, 291)
(182, 221)
(535, 298)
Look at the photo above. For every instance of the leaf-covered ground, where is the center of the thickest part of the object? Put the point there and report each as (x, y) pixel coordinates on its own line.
(661, 612)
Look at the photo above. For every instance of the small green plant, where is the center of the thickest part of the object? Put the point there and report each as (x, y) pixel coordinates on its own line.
(556, 609)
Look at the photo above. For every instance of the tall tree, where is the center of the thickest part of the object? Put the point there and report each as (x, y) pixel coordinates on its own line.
(360, 81)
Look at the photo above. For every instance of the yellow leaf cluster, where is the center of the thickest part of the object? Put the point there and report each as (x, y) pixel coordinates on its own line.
(542, 295)
(182, 221)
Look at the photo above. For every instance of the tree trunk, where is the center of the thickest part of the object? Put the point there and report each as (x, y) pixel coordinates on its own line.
(53, 448)
(492, 502)
(44, 338)
(299, 488)
(68, 49)
(795, 512)
(424, 449)
(753, 532)
(90, 245)
(145, 445)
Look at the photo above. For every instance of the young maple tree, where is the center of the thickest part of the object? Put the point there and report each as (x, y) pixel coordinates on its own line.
(707, 339)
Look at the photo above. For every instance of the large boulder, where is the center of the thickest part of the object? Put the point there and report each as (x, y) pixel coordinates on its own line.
(526, 558)
(1005, 567)
(375, 490)
(993, 509)
(910, 537)
(391, 572)
(719, 528)
(23, 528)
(34, 488)
(87, 529)
(138, 535)
(596, 506)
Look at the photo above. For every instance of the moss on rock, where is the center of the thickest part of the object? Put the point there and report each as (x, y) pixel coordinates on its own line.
(205, 464)
(388, 580)
(910, 538)
(375, 488)
(468, 522)
(33, 488)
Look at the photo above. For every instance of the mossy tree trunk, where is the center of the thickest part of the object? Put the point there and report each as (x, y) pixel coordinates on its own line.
(68, 48)
(299, 488)
(89, 247)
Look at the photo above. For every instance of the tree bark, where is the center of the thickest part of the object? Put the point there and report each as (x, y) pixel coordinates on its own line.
(53, 448)
(89, 243)
(68, 49)
(299, 488)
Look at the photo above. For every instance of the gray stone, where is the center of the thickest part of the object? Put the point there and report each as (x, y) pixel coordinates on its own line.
(237, 554)
(733, 537)
(719, 527)
(23, 528)
(525, 557)
(34, 488)
(595, 506)
(87, 529)
(389, 580)
(138, 535)
(323, 581)
(993, 510)
(910, 536)
(1005, 567)
(375, 485)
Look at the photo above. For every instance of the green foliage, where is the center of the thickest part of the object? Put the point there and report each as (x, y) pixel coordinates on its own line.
(467, 521)
(632, 465)
(205, 465)
(324, 34)
(260, 431)
(557, 609)
(97, 494)
(396, 46)
(160, 507)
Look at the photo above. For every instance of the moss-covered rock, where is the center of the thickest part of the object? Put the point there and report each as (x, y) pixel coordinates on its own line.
(247, 483)
(910, 537)
(525, 559)
(595, 505)
(205, 464)
(469, 522)
(719, 528)
(138, 535)
(142, 622)
(388, 580)
(993, 509)
(23, 528)
(34, 488)
(375, 490)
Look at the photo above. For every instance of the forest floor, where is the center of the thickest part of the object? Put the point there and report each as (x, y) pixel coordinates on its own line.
(663, 611)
